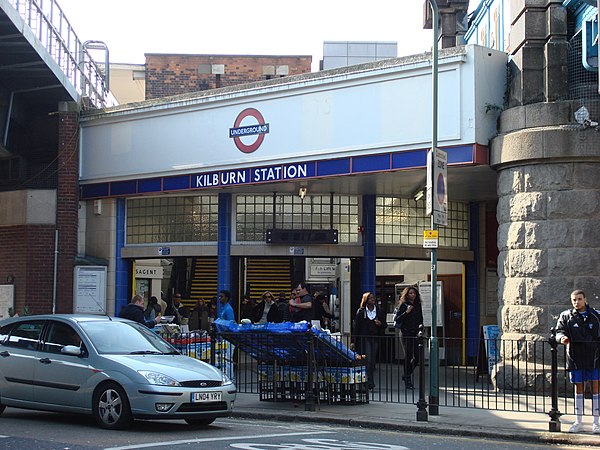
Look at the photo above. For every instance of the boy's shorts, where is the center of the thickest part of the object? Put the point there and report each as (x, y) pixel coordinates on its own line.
(581, 375)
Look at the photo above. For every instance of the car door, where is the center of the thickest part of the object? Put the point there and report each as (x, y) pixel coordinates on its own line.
(19, 344)
(60, 378)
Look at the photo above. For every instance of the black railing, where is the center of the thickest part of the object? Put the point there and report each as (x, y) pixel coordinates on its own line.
(309, 368)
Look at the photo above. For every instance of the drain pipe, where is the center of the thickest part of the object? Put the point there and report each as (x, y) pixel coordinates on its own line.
(54, 281)
(8, 114)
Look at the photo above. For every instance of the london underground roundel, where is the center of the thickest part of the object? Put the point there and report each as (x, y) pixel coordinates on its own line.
(249, 130)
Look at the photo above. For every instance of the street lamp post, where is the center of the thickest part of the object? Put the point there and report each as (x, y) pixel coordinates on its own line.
(433, 352)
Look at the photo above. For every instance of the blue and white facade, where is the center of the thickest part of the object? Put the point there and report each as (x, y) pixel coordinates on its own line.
(354, 137)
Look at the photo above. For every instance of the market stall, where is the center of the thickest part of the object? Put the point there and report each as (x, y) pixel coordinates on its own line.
(298, 362)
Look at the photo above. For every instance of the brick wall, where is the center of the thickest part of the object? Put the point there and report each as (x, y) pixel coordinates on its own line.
(179, 74)
(67, 203)
(27, 255)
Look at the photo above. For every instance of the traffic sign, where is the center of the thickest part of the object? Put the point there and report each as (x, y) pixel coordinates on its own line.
(437, 186)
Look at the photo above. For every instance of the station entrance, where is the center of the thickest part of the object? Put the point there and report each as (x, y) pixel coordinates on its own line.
(195, 278)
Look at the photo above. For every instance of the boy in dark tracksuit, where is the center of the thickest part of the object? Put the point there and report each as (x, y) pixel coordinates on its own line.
(579, 329)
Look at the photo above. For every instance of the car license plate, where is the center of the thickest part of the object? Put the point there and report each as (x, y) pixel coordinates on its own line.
(199, 397)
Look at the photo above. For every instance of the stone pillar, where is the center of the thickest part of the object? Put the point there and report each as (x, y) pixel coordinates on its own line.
(538, 45)
(548, 214)
(453, 22)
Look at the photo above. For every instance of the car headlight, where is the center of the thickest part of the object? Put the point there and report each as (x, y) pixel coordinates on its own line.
(159, 379)
(225, 380)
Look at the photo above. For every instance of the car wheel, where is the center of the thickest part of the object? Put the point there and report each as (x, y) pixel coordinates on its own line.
(200, 422)
(111, 407)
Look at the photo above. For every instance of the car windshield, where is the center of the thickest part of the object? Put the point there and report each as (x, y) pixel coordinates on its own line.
(122, 338)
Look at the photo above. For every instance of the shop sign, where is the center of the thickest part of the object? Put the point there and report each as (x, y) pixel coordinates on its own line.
(149, 272)
(322, 270)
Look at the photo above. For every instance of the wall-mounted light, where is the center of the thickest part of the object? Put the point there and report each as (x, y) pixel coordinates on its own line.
(10, 279)
(419, 195)
(302, 191)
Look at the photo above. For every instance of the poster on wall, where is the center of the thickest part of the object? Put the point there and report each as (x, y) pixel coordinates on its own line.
(7, 299)
(90, 289)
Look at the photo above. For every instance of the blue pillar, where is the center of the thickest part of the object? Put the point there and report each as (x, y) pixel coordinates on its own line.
(472, 285)
(121, 265)
(368, 262)
(224, 245)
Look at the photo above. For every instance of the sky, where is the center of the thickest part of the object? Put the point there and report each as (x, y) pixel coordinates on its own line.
(131, 28)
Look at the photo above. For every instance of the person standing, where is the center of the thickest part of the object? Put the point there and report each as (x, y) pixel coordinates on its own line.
(408, 318)
(368, 326)
(246, 308)
(301, 306)
(579, 329)
(322, 311)
(283, 307)
(227, 349)
(153, 310)
(226, 311)
(134, 310)
(180, 312)
(266, 310)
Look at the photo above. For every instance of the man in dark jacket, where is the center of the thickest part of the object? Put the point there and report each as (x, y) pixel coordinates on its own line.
(134, 310)
(579, 329)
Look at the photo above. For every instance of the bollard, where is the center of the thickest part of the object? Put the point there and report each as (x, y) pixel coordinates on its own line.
(422, 403)
(554, 413)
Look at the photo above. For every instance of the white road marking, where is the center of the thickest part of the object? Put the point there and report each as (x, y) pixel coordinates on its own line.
(231, 438)
(320, 444)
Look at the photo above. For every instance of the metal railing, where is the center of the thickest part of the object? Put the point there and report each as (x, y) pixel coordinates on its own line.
(520, 378)
(48, 24)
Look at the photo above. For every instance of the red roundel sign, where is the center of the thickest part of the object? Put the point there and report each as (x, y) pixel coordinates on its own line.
(249, 134)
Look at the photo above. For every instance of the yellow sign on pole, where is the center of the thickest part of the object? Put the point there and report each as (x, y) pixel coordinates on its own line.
(430, 238)
(430, 234)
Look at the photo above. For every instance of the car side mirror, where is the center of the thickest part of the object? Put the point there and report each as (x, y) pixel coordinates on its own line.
(71, 350)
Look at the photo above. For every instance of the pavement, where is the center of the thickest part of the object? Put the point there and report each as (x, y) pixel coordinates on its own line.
(503, 425)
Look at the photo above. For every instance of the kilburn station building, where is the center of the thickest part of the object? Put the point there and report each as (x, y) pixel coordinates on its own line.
(319, 177)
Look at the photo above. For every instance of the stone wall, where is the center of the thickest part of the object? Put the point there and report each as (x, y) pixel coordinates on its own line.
(548, 214)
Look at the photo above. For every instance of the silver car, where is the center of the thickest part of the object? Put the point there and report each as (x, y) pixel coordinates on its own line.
(115, 369)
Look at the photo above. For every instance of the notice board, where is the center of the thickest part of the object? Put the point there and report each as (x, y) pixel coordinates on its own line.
(90, 289)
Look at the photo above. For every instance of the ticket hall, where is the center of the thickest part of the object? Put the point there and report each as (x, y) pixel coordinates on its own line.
(318, 177)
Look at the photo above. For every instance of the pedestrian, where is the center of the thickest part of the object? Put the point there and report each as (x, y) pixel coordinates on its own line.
(301, 305)
(153, 309)
(266, 310)
(368, 327)
(283, 306)
(226, 311)
(199, 318)
(408, 317)
(180, 312)
(579, 329)
(134, 310)
(246, 308)
(227, 357)
(322, 310)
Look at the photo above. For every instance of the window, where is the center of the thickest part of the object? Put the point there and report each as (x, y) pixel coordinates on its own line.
(59, 335)
(172, 219)
(403, 220)
(257, 213)
(26, 335)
